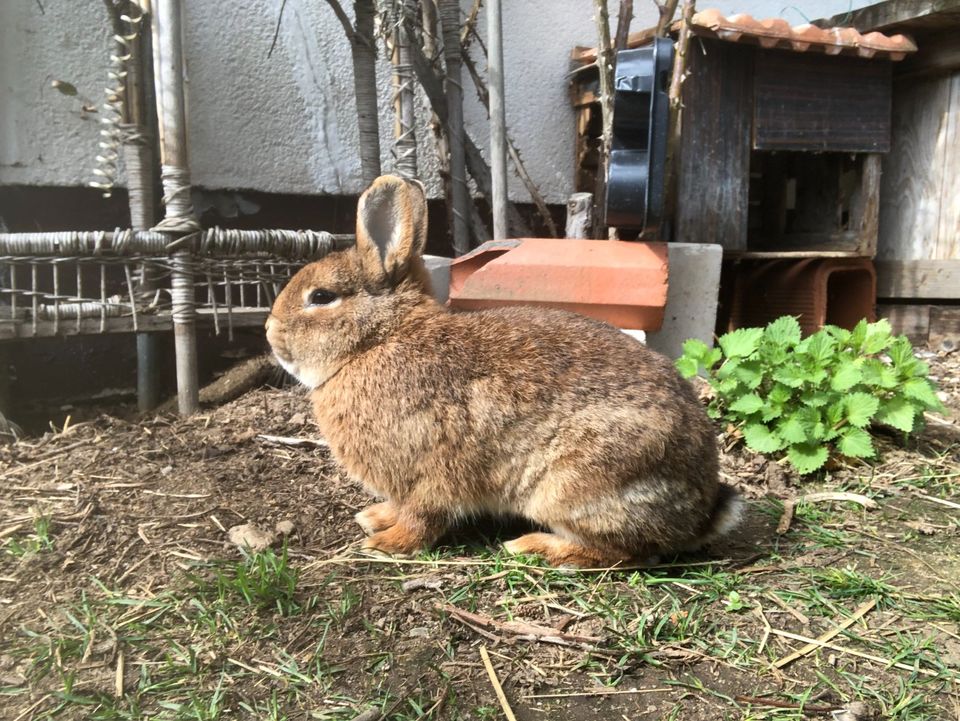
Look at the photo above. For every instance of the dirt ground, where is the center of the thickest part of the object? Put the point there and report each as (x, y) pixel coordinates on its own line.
(122, 596)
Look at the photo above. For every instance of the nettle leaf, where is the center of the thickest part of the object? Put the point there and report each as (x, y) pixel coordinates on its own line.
(761, 439)
(792, 430)
(842, 335)
(783, 331)
(807, 457)
(790, 375)
(750, 373)
(726, 386)
(922, 391)
(713, 357)
(846, 376)
(897, 412)
(819, 347)
(878, 337)
(817, 399)
(856, 443)
(741, 342)
(859, 334)
(878, 374)
(901, 353)
(687, 366)
(860, 408)
(729, 366)
(695, 348)
(771, 411)
(780, 394)
(836, 411)
(747, 404)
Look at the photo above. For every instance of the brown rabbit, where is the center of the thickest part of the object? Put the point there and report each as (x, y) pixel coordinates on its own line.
(560, 419)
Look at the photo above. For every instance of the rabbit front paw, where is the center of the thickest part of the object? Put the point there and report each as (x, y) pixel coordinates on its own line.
(378, 517)
(403, 537)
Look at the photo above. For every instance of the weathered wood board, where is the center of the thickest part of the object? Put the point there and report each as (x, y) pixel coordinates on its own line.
(815, 102)
(919, 202)
(918, 279)
(715, 146)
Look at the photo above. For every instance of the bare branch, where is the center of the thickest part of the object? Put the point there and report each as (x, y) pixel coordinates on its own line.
(623, 24)
(667, 11)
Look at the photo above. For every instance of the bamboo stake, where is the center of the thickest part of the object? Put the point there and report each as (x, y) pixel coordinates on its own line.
(498, 121)
(364, 52)
(179, 217)
(405, 131)
(460, 194)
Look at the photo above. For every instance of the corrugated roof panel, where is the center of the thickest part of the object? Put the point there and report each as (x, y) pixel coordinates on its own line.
(777, 33)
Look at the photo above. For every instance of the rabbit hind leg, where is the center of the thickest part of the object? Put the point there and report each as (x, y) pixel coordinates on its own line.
(559, 551)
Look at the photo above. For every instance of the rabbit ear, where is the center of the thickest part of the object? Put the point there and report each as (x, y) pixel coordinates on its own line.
(391, 226)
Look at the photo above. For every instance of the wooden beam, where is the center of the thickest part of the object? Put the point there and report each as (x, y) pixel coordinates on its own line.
(944, 328)
(885, 14)
(238, 317)
(912, 321)
(918, 279)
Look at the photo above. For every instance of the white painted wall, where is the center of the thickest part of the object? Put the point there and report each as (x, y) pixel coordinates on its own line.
(286, 123)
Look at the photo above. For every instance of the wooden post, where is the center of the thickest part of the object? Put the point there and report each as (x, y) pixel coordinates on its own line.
(405, 130)
(179, 217)
(579, 215)
(460, 194)
(498, 120)
(605, 60)
(139, 161)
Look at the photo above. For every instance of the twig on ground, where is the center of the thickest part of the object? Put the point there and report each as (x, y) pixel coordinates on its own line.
(867, 503)
(289, 441)
(820, 640)
(802, 618)
(941, 501)
(600, 692)
(520, 629)
(495, 682)
(784, 704)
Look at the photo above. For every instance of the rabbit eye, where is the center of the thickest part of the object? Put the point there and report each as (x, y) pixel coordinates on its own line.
(321, 297)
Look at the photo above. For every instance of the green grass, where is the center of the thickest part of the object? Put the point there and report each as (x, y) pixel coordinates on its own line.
(40, 540)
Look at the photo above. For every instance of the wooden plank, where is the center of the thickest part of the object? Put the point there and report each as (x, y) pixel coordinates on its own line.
(913, 172)
(912, 321)
(816, 102)
(865, 212)
(948, 235)
(585, 56)
(944, 328)
(893, 12)
(715, 146)
(918, 279)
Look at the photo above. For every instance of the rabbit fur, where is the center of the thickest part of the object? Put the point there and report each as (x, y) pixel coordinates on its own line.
(540, 413)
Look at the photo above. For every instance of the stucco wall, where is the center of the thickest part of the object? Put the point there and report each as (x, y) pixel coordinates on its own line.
(286, 123)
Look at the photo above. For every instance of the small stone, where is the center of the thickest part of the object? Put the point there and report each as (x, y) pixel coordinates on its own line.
(284, 528)
(419, 632)
(166, 470)
(298, 419)
(250, 537)
(415, 584)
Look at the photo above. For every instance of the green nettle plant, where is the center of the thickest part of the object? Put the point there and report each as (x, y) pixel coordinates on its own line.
(816, 396)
